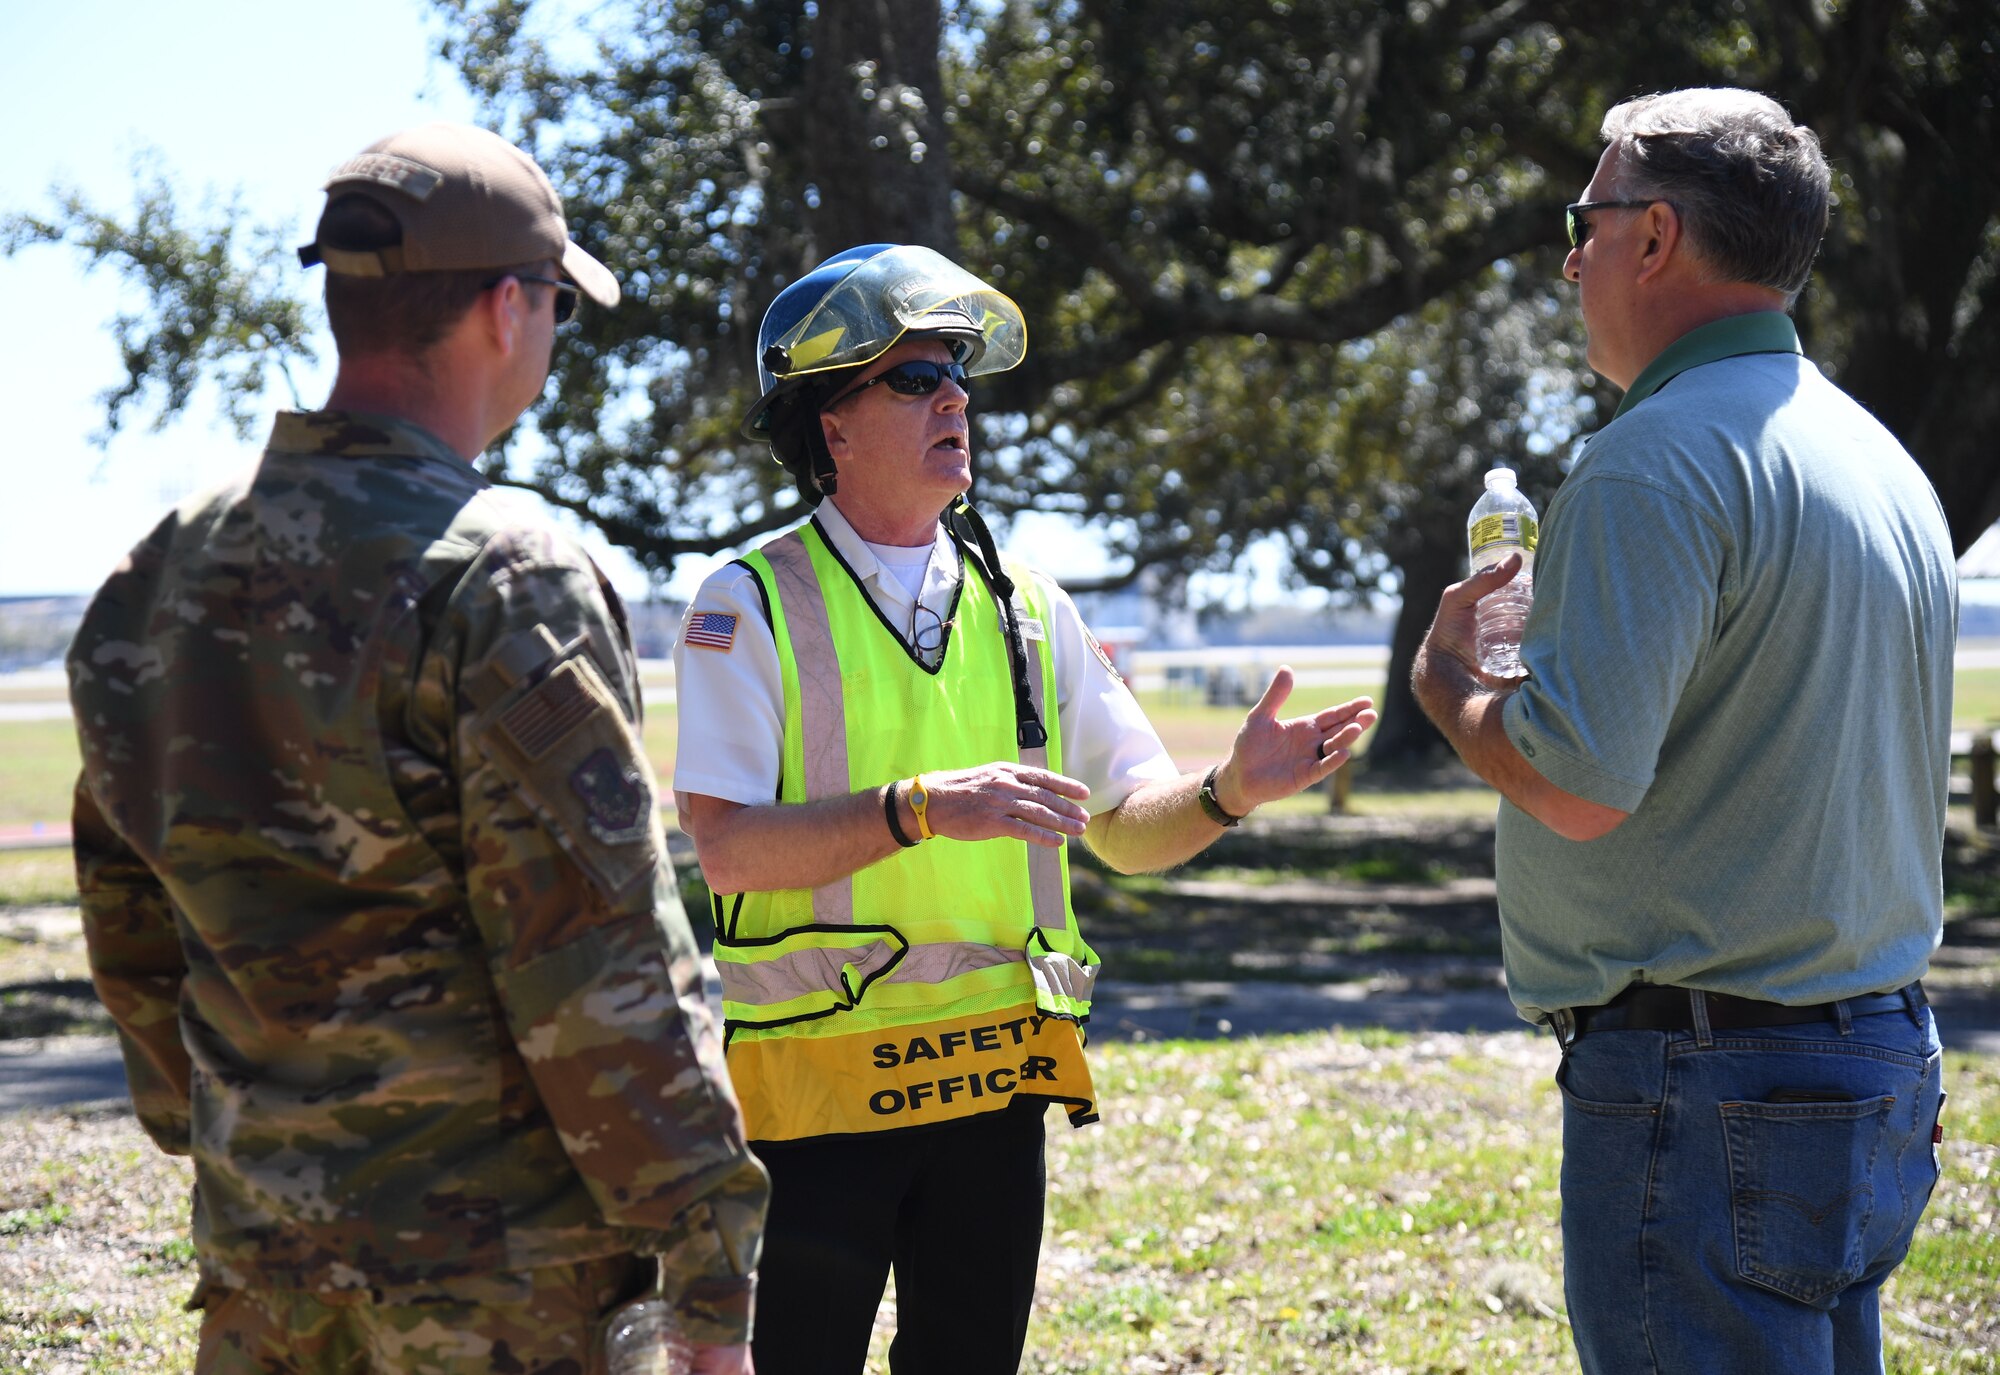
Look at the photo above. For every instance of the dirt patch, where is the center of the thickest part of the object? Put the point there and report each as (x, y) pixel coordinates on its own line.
(95, 1261)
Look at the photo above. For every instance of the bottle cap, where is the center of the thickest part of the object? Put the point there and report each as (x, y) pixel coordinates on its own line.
(1500, 477)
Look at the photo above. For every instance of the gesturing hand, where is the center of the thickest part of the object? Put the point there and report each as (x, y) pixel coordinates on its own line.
(1006, 800)
(1273, 759)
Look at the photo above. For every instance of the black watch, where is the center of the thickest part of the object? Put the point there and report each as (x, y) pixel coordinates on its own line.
(1210, 803)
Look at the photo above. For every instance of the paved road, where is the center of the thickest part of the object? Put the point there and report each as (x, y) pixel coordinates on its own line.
(1202, 1010)
(81, 1072)
(73, 1072)
(1127, 1012)
(84, 1072)
(34, 835)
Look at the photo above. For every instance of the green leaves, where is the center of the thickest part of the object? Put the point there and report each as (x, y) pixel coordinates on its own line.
(1239, 231)
(215, 303)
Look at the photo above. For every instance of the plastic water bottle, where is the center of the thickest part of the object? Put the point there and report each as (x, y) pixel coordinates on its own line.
(645, 1337)
(1503, 523)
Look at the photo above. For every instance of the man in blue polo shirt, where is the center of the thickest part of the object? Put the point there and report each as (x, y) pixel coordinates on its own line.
(1724, 777)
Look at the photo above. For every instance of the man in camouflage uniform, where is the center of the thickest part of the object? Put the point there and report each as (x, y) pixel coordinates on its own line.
(372, 875)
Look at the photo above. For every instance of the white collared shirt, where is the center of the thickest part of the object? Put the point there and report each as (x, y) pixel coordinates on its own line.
(732, 701)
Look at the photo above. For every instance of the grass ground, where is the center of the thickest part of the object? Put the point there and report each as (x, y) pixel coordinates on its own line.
(1376, 1204)
(38, 766)
(1975, 698)
(1362, 1203)
(33, 878)
(38, 759)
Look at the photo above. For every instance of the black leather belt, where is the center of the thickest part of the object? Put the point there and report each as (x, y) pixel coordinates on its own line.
(1663, 1007)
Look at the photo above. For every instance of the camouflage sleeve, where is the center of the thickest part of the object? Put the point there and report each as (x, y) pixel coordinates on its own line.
(590, 950)
(137, 965)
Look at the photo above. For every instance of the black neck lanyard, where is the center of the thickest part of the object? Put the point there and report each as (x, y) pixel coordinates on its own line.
(975, 546)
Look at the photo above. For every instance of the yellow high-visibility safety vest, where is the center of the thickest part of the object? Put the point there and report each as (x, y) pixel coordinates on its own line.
(948, 978)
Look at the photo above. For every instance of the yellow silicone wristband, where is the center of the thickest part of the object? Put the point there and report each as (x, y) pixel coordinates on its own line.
(920, 803)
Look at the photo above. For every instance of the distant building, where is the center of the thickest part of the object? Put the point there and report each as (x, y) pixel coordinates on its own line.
(1982, 560)
(34, 631)
(1291, 625)
(655, 626)
(1153, 614)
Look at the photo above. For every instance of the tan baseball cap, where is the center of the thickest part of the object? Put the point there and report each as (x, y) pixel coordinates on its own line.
(466, 199)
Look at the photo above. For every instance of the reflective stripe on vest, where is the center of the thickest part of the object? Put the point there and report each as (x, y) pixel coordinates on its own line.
(822, 705)
(1045, 874)
(827, 977)
(954, 940)
(823, 713)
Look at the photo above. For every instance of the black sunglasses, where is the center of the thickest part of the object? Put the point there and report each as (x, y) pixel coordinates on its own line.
(918, 377)
(1579, 227)
(565, 292)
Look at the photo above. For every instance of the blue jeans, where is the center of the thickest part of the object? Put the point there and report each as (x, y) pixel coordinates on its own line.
(1733, 1200)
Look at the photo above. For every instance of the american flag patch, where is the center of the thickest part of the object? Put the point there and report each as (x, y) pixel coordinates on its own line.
(711, 630)
(541, 719)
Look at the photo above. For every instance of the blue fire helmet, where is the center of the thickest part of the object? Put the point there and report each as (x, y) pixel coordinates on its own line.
(857, 305)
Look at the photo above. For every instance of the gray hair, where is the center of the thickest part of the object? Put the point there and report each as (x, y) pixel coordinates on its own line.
(1752, 188)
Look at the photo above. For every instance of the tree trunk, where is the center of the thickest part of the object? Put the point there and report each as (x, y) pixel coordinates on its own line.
(1917, 293)
(1406, 741)
(1950, 426)
(874, 130)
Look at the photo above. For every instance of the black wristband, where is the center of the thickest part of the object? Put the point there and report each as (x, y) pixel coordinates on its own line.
(895, 822)
(1212, 805)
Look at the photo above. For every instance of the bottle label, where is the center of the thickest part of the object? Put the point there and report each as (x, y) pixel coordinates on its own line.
(1506, 531)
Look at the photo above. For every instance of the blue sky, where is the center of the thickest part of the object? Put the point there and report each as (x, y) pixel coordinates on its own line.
(230, 97)
(253, 98)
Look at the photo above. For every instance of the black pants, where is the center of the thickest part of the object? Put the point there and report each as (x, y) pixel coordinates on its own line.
(956, 1210)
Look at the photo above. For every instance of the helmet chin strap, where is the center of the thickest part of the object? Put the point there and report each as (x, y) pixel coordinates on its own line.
(824, 475)
(824, 479)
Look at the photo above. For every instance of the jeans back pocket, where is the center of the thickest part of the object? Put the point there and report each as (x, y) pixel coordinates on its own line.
(1802, 1191)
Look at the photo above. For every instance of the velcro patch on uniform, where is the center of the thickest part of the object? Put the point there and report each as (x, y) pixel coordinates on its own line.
(540, 720)
(403, 174)
(711, 630)
(615, 797)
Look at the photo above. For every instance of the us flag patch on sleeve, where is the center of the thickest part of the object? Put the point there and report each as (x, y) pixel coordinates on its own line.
(711, 630)
(1103, 655)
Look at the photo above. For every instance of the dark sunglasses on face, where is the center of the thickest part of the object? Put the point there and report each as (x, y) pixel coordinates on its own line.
(565, 292)
(1579, 227)
(918, 377)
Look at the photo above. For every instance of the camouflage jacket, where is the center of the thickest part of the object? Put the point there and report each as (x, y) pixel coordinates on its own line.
(376, 890)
